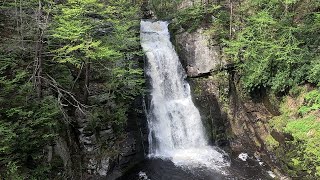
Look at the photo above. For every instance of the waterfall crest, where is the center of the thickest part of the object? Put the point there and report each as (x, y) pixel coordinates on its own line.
(176, 130)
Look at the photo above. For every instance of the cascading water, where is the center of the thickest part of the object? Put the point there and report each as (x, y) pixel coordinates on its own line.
(176, 130)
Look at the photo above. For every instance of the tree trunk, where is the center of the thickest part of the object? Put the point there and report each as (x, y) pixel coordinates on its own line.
(38, 54)
(231, 19)
(86, 82)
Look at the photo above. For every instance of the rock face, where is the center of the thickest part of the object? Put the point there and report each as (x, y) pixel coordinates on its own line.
(106, 153)
(185, 4)
(197, 53)
(233, 123)
(207, 92)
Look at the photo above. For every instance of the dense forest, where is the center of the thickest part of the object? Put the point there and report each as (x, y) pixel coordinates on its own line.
(55, 56)
(60, 59)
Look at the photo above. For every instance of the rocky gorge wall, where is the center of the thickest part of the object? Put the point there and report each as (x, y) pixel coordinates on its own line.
(107, 153)
(102, 153)
(236, 123)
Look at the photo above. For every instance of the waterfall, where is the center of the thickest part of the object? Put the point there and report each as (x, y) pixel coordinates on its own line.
(175, 128)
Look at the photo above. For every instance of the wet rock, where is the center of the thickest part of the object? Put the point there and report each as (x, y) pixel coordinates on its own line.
(223, 142)
(61, 148)
(88, 140)
(197, 54)
(81, 119)
(192, 71)
(281, 137)
(128, 147)
(91, 166)
(243, 156)
(89, 148)
(106, 134)
(206, 96)
(147, 13)
(98, 166)
(103, 166)
(87, 132)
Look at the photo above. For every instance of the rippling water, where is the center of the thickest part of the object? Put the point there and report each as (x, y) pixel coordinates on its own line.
(158, 169)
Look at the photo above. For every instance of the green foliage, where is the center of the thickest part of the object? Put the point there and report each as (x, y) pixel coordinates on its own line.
(74, 27)
(219, 28)
(273, 50)
(301, 156)
(295, 91)
(306, 157)
(164, 9)
(300, 128)
(191, 18)
(26, 124)
(127, 82)
(103, 35)
(279, 122)
(102, 115)
(267, 52)
(106, 37)
(310, 35)
(13, 172)
(314, 72)
(312, 102)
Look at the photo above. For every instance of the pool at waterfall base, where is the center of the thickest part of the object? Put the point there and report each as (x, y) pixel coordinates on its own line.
(164, 169)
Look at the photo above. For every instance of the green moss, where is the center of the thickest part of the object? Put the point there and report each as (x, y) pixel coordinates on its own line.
(279, 122)
(222, 78)
(300, 157)
(197, 89)
(271, 143)
(301, 127)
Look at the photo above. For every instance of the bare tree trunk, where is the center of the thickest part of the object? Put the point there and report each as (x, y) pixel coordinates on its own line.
(50, 153)
(39, 67)
(21, 24)
(231, 19)
(16, 13)
(241, 17)
(42, 22)
(86, 82)
(38, 54)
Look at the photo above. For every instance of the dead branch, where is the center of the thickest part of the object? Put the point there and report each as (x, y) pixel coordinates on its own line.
(64, 97)
(78, 76)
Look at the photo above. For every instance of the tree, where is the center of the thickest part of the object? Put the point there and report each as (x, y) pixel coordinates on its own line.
(267, 48)
(53, 52)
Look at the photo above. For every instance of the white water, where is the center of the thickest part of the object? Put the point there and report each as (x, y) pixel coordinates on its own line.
(176, 130)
